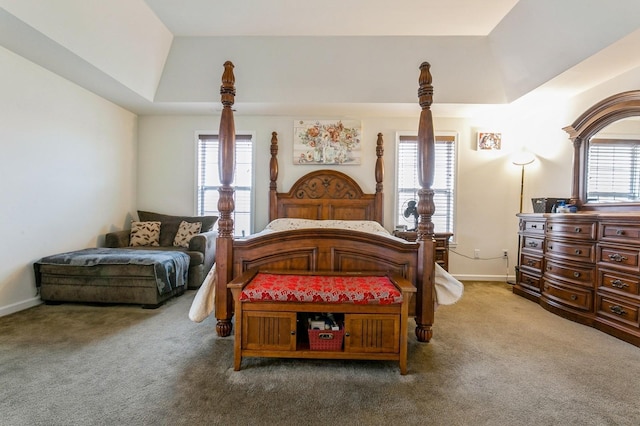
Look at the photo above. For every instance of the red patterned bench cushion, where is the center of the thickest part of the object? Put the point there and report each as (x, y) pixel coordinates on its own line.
(362, 290)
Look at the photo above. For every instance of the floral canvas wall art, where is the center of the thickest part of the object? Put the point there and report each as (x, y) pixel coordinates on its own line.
(326, 142)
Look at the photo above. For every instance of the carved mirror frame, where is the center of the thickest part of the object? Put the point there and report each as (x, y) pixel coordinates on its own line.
(596, 118)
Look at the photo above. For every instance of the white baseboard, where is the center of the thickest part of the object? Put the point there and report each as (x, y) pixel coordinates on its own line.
(20, 306)
(502, 278)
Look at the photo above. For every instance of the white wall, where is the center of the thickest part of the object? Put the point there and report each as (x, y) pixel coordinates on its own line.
(67, 172)
(488, 187)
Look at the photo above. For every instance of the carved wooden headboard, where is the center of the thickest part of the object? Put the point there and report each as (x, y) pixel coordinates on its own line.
(326, 194)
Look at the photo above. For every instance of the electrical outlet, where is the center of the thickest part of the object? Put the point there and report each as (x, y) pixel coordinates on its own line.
(505, 253)
(476, 253)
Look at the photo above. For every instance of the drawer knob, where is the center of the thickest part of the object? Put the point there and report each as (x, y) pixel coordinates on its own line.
(574, 297)
(533, 244)
(550, 247)
(578, 230)
(531, 262)
(347, 334)
(550, 227)
(549, 268)
(620, 232)
(618, 310)
(293, 332)
(619, 284)
(578, 251)
(617, 257)
(534, 226)
(576, 274)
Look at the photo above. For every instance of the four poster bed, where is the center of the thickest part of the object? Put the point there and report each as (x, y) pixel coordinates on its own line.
(327, 195)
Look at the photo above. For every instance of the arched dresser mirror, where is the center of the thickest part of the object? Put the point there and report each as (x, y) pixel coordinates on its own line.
(606, 158)
(585, 266)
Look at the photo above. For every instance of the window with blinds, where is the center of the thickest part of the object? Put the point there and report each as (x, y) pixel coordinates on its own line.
(209, 180)
(443, 184)
(614, 170)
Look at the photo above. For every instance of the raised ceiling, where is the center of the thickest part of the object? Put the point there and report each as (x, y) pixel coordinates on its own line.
(333, 57)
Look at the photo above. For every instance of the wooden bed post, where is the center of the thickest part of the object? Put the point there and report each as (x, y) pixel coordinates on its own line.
(224, 242)
(425, 298)
(273, 177)
(379, 214)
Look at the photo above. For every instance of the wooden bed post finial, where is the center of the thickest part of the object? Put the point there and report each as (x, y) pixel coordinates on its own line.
(273, 177)
(226, 152)
(379, 173)
(379, 162)
(228, 89)
(426, 154)
(425, 299)
(226, 166)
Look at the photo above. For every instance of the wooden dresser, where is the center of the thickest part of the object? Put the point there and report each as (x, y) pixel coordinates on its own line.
(584, 267)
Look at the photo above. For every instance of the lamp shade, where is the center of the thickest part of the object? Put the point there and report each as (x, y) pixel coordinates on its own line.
(522, 158)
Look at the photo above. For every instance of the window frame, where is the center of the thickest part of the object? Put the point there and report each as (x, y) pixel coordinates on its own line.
(602, 149)
(454, 202)
(252, 191)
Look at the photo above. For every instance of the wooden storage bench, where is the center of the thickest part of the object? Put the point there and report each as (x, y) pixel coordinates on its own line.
(272, 309)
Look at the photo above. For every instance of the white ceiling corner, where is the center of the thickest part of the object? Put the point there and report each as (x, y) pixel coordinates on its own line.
(163, 56)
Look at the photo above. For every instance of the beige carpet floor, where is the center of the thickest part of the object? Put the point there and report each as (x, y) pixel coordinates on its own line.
(495, 359)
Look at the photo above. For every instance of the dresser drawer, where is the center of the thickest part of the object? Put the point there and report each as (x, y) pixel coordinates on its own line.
(532, 226)
(530, 281)
(578, 251)
(531, 262)
(615, 282)
(575, 297)
(578, 274)
(621, 258)
(532, 244)
(618, 232)
(587, 230)
(617, 310)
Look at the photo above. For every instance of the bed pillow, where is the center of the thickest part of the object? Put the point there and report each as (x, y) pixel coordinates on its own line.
(186, 231)
(145, 234)
(170, 224)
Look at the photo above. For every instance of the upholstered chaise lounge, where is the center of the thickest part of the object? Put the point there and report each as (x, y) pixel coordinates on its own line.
(104, 275)
(158, 258)
(201, 247)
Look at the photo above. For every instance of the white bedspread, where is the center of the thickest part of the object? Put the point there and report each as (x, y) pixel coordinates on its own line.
(369, 226)
(448, 289)
(204, 302)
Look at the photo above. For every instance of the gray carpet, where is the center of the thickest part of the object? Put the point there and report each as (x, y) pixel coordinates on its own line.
(495, 359)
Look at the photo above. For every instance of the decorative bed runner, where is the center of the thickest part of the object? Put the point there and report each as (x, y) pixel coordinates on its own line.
(171, 267)
(361, 290)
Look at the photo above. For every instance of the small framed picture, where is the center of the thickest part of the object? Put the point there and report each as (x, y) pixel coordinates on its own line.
(489, 140)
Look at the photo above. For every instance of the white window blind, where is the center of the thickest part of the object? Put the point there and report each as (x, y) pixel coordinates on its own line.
(443, 184)
(209, 180)
(614, 170)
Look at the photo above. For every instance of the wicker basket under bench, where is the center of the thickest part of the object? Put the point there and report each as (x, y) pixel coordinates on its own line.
(373, 328)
